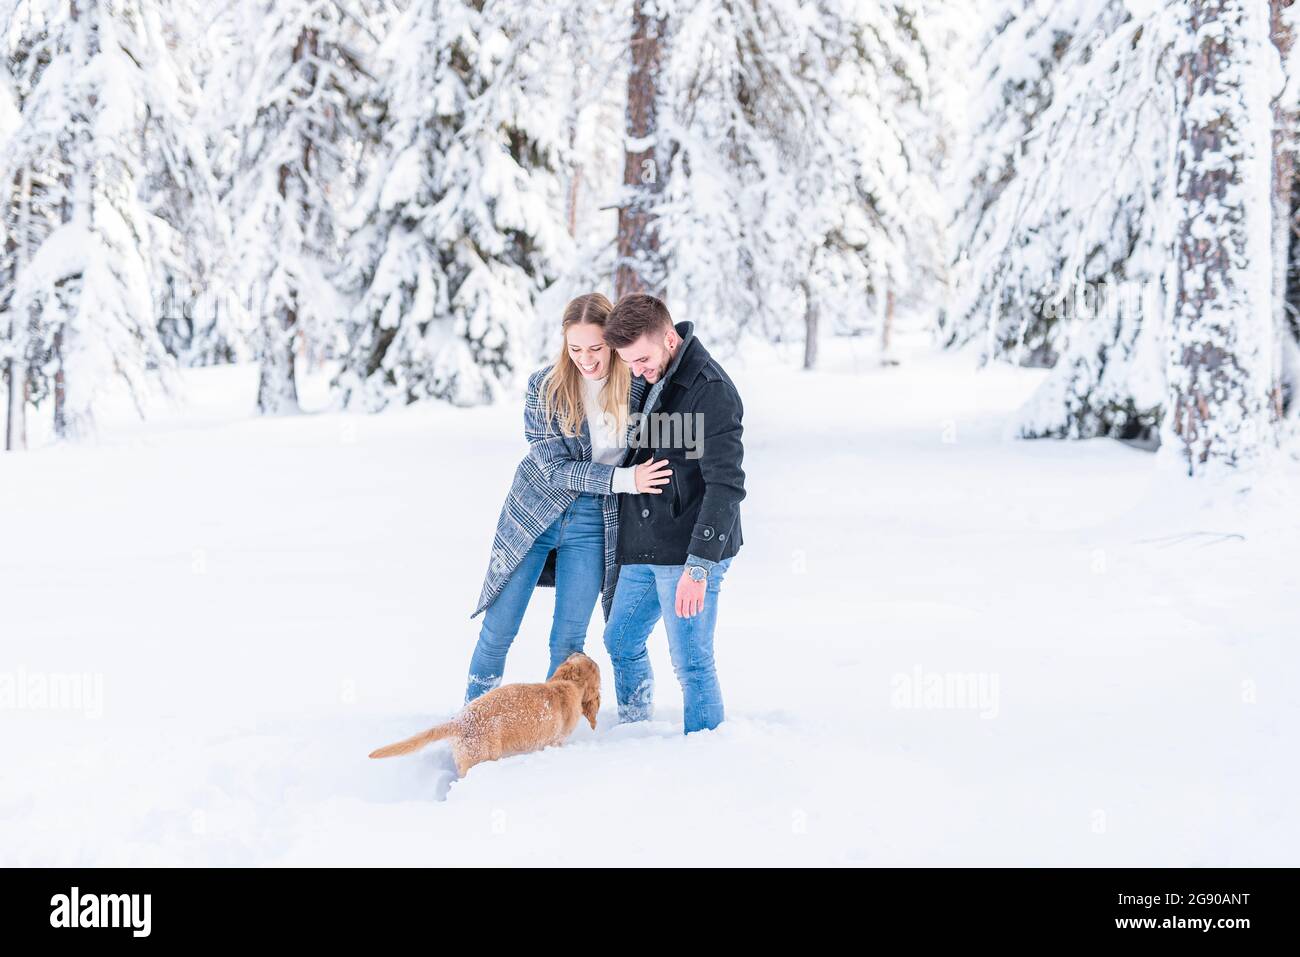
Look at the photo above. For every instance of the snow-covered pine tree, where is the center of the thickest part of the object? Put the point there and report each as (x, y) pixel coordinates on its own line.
(1013, 63)
(590, 38)
(203, 321)
(587, 78)
(462, 222)
(1081, 198)
(1222, 329)
(191, 246)
(295, 90)
(99, 174)
(1069, 217)
(875, 230)
(783, 153)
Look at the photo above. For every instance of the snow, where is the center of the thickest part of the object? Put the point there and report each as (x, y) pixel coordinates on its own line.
(266, 600)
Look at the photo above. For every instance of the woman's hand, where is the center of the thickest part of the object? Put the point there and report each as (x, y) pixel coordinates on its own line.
(650, 475)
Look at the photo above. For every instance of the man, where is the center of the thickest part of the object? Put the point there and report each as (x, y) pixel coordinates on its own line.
(674, 548)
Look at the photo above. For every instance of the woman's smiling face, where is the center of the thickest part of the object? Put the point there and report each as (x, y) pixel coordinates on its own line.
(587, 349)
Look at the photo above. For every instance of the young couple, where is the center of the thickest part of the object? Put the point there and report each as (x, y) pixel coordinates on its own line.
(631, 491)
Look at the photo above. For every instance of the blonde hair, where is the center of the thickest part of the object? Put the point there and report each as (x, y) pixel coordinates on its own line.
(562, 387)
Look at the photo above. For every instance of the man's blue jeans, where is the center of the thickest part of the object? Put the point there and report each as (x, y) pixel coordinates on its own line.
(578, 537)
(645, 593)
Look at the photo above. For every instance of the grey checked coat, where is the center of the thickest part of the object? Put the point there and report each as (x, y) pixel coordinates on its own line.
(558, 467)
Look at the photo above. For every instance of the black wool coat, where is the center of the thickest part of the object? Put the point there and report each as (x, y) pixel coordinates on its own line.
(693, 421)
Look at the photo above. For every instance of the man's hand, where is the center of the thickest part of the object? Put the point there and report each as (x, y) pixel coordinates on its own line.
(650, 475)
(690, 596)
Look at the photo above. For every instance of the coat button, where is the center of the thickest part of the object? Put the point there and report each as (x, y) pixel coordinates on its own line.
(645, 513)
(722, 538)
(708, 533)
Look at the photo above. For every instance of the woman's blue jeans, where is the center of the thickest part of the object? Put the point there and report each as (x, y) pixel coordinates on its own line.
(578, 537)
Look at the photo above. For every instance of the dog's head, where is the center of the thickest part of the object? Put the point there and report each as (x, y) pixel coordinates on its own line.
(584, 673)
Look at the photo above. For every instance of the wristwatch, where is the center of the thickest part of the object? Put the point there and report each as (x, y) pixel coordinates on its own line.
(698, 573)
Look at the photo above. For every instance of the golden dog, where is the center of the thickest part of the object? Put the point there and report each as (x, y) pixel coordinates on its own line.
(515, 719)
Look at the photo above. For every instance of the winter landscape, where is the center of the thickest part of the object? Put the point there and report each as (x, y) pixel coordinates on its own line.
(263, 601)
(1009, 289)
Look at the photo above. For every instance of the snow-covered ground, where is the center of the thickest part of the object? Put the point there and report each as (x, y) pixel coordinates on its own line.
(255, 604)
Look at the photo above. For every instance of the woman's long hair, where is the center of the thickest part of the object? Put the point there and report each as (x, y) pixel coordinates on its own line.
(562, 388)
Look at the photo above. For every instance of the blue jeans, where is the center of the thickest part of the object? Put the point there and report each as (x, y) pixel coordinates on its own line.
(578, 537)
(646, 592)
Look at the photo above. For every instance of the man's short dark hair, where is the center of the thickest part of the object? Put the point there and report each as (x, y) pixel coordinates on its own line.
(633, 316)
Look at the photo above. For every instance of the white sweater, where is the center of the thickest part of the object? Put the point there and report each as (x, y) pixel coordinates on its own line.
(606, 445)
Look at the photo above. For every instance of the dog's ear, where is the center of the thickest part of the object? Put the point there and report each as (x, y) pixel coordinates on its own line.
(590, 706)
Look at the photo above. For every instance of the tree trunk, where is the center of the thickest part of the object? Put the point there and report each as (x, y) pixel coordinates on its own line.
(10, 370)
(20, 249)
(811, 320)
(16, 421)
(575, 176)
(60, 388)
(640, 266)
(1221, 337)
(277, 384)
(887, 331)
(574, 182)
(1284, 170)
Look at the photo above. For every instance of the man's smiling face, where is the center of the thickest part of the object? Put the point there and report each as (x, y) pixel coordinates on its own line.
(649, 356)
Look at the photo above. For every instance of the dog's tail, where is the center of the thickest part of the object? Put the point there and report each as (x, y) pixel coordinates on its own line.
(417, 742)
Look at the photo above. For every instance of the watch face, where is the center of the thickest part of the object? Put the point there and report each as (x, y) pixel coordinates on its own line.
(698, 573)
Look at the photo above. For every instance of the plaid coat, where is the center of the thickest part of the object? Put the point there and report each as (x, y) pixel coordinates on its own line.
(548, 481)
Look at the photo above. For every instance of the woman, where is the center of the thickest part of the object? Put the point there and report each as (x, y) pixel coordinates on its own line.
(561, 512)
